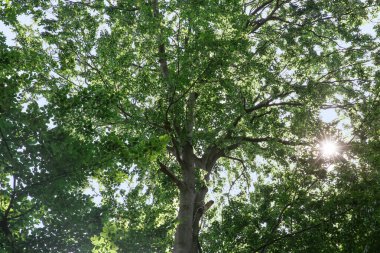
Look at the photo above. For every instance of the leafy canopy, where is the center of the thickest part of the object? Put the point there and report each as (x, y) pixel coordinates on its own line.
(128, 84)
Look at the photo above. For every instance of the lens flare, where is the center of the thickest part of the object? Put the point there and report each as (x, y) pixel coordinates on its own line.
(329, 148)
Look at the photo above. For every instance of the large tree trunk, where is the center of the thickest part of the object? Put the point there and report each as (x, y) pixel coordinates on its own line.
(199, 209)
(190, 212)
(192, 206)
(191, 201)
(184, 232)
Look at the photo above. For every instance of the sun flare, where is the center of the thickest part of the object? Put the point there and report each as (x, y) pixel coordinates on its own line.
(329, 148)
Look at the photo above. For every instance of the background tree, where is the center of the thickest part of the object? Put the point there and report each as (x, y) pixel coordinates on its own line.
(41, 207)
(177, 97)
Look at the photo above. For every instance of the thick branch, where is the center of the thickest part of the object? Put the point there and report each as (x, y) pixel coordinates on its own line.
(209, 158)
(242, 139)
(161, 47)
(271, 139)
(257, 116)
(283, 104)
(259, 8)
(259, 23)
(264, 104)
(171, 175)
(190, 115)
(163, 63)
(268, 102)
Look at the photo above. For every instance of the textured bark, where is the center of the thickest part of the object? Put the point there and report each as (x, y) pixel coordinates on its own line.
(191, 201)
(184, 232)
(192, 208)
(199, 204)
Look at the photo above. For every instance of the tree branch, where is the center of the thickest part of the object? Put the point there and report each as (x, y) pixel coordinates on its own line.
(259, 23)
(270, 139)
(162, 52)
(238, 177)
(267, 102)
(241, 139)
(170, 174)
(298, 232)
(259, 8)
(190, 115)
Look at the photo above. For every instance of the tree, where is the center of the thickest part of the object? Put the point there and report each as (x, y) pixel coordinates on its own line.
(40, 169)
(173, 95)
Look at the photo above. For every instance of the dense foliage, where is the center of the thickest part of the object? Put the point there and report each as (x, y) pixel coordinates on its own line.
(189, 126)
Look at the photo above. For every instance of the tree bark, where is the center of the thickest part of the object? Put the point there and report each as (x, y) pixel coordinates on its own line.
(192, 201)
(184, 232)
(191, 209)
(199, 209)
